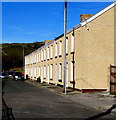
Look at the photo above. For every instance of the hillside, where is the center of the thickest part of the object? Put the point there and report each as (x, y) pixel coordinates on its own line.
(12, 54)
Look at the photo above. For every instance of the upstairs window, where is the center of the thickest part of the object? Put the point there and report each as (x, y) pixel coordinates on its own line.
(48, 53)
(45, 54)
(56, 49)
(60, 48)
(35, 58)
(32, 58)
(66, 45)
(51, 51)
(39, 56)
(42, 55)
(72, 43)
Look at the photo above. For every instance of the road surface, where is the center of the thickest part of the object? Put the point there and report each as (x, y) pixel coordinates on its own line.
(29, 101)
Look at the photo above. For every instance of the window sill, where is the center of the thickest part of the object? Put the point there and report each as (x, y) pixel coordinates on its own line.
(72, 52)
(72, 82)
(60, 55)
(60, 80)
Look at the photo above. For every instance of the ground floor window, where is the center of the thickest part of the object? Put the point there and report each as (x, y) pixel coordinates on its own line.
(60, 72)
(71, 71)
(44, 72)
(51, 71)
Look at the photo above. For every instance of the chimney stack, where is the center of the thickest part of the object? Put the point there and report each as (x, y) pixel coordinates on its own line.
(84, 16)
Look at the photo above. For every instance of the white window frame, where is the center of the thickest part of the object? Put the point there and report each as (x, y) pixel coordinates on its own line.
(60, 48)
(44, 54)
(35, 58)
(71, 71)
(39, 72)
(34, 71)
(48, 73)
(51, 51)
(48, 52)
(51, 71)
(72, 42)
(66, 45)
(39, 56)
(44, 72)
(56, 73)
(60, 71)
(67, 74)
(56, 49)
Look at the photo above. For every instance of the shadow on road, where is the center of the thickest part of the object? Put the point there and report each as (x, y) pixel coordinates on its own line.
(6, 111)
(102, 114)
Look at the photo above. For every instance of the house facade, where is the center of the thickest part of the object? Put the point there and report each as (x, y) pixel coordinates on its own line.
(90, 50)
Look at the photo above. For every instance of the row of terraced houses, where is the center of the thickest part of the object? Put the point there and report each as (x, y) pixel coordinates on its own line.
(90, 50)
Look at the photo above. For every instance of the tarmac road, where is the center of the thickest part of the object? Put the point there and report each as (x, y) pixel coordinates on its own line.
(29, 101)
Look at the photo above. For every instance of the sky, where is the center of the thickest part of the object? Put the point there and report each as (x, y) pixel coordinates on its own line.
(28, 22)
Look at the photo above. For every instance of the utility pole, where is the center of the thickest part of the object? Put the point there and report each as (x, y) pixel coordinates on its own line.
(65, 60)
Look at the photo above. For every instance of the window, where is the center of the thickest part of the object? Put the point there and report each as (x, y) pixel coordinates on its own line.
(42, 55)
(44, 71)
(31, 71)
(66, 45)
(71, 71)
(60, 48)
(56, 73)
(72, 43)
(45, 54)
(32, 58)
(34, 72)
(48, 53)
(35, 58)
(60, 72)
(48, 72)
(39, 56)
(51, 51)
(67, 74)
(39, 72)
(51, 71)
(56, 49)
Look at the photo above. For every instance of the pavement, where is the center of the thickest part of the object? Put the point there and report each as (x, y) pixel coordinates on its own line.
(97, 100)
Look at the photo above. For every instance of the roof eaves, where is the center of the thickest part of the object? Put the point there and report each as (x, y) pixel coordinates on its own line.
(97, 14)
(41, 47)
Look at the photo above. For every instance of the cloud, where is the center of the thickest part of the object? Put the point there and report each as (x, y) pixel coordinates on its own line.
(30, 33)
(19, 29)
